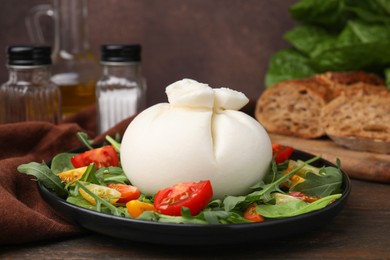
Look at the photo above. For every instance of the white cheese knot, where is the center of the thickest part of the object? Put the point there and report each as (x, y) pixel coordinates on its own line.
(198, 135)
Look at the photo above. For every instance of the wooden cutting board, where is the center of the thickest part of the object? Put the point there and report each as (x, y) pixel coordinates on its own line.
(358, 165)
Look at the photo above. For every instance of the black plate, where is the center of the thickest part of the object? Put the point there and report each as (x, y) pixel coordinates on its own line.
(192, 234)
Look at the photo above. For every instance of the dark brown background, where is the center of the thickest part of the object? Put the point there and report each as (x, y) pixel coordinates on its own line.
(221, 42)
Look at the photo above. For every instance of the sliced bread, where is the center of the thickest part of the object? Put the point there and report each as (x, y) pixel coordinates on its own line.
(362, 112)
(293, 107)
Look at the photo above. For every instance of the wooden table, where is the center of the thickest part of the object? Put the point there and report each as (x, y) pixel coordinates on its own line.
(360, 231)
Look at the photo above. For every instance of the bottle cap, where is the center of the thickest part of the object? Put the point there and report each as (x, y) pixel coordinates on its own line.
(26, 55)
(121, 53)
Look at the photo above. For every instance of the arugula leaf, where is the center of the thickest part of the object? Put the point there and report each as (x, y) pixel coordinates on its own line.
(275, 172)
(217, 203)
(111, 175)
(89, 175)
(322, 185)
(114, 143)
(61, 162)
(83, 137)
(44, 175)
(294, 208)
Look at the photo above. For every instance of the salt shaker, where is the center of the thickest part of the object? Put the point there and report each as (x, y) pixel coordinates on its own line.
(29, 94)
(120, 92)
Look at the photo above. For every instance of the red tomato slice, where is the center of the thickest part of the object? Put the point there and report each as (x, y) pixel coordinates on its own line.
(251, 214)
(102, 157)
(128, 192)
(281, 153)
(193, 195)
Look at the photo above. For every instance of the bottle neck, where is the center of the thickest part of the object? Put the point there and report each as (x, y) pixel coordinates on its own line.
(71, 28)
(121, 69)
(30, 74)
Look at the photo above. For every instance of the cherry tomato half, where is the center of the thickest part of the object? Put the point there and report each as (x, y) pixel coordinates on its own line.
(251, 214)
(136, 207)
(102, 157)
(193, 195)
(128, 192)
(100, 191)
(281, 153)
(72, 175)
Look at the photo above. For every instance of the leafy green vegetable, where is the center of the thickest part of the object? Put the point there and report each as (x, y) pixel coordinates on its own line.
(334, 35)
(89, 175)
(83, 137)
(114, 143)
(288, 64)
(294, 208)
(322, 185)
(43, 173)
(232, 203)
(80, 201)
(111, 175)
(61, 162)
(335, 14)
(154, 216)
(205, 217)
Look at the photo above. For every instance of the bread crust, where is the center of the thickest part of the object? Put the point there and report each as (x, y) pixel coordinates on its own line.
(340, 82)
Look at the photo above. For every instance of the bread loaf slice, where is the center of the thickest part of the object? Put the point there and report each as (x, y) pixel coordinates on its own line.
(293, 107)
(362, 111)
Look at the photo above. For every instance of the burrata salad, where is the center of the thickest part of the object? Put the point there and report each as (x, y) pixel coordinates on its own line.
(195, 159)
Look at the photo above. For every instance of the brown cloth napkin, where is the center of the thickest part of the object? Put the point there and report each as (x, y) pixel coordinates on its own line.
(24, 216)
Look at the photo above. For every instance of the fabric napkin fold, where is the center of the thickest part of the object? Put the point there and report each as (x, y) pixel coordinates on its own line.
(24, 216)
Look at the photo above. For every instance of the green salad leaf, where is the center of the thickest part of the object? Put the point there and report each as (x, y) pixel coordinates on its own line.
(116, 144)
(61, 162)
(111, 174)
(328, 182)
(89, 175)
(83, 137)
(294, 208)
(80, 201)
(43, 173)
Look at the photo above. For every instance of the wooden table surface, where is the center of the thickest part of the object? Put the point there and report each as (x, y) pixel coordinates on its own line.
(360, 231)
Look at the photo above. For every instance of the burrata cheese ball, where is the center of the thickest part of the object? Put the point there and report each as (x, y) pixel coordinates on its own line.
(198, 135)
